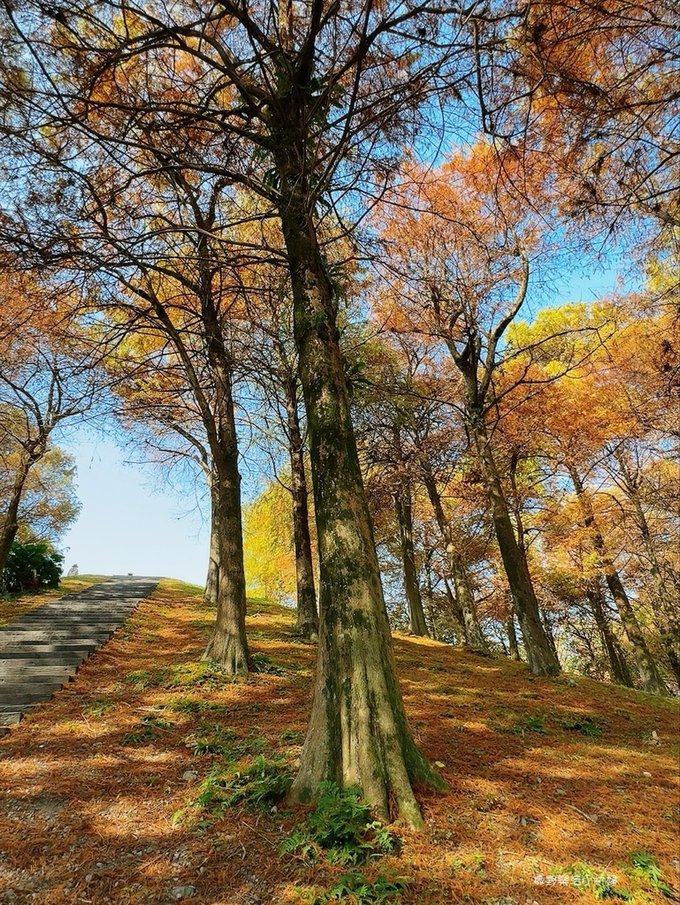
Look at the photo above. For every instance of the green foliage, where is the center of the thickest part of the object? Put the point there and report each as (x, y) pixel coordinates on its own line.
(355, 888)
(31, 567)
(194, 674)
(601, 885)
(343, 828)
(148, 729)
(98, 708)
(193, 706)
(263, 663)
(225, 742)
(261, 784)
(646, 867)
(529, 724)
(586, 725)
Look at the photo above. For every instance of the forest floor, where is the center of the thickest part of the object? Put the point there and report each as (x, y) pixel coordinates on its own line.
(559, 791)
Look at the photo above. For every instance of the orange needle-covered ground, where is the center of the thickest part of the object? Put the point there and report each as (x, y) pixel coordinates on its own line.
(550, 781)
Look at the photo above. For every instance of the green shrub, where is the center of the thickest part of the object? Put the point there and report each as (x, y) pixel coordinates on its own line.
(357, 889)
(646, 867)
(342, 827)
(31, 567)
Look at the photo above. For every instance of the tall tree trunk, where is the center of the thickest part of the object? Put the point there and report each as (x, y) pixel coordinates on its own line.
(617, 663)
(212, 582)
(456, 611)
(665, 592)
(474, 636)
(541, 655)
(403, 509)
(228, 644)
(307, 623)
(358, 733)
(513, 646)
(10, 519)
(646, 665)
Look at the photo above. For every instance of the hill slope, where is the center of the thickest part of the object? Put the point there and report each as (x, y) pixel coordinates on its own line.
(554, 785)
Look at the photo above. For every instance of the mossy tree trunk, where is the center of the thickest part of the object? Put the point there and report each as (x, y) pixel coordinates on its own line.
(307, 622)
(665, 586)
(474, 637)
(227, 644)
(513, 646)
(541, 654)
(617, 662)
(650, 676)
(9, 525)
(404, 512)
(358, 733)
(212, 581)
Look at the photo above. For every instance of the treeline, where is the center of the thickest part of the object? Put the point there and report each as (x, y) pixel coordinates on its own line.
(223, 237)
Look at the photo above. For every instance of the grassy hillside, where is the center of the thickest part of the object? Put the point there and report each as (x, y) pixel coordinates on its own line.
(559, 791)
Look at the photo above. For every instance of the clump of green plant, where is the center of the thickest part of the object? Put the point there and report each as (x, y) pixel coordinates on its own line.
(292, 736)
(263, 663)
(586, 725)
(148, 729)
(646, 868)
(355, 888)
(261, 784)
(193, 705)
(529, 724)
(341, 827)
(99, 707)
(601, 885)
(223, 741)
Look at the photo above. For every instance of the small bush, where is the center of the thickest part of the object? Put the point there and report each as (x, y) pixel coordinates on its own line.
(31, 567)
(357, 889)
(646, 867)
(342, 827)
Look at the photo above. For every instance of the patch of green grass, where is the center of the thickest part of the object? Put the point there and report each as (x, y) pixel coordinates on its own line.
(99, 707)
(193, 674)
(263, 663)
(225, 742)
(530, 723)
(189, 705)
(148, 729)
(342, 828)
(355, 888)
(262, 784)
(601, 885)
(586, 725)
(292, 737)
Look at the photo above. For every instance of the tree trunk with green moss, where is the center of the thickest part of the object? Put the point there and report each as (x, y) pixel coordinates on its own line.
(617, 662)
(307, 622)
(404, 513)
(474, 637)
(650, 676)
(358, 733)
(227, 644)
(541, 655)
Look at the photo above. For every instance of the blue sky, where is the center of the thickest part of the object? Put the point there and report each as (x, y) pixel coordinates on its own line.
(134, 520)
